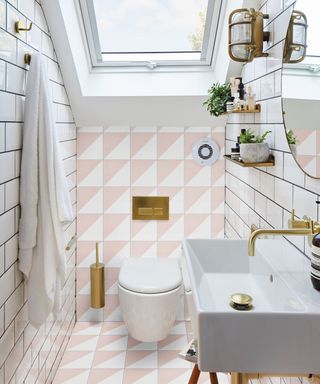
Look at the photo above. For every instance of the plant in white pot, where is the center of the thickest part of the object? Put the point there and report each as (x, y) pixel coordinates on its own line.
(292, 141)
(253, 149)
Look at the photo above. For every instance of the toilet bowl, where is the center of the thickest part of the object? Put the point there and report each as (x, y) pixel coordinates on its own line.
(149, 292)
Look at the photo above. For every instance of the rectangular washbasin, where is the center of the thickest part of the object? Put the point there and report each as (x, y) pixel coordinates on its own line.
(275, 336)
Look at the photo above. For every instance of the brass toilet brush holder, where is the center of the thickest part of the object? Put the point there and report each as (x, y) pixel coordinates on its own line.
(97, 282)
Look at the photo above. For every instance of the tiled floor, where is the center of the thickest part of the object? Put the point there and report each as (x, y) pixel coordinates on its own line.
(104, 353)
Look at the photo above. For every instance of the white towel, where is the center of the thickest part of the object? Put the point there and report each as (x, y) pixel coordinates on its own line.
(44, 198)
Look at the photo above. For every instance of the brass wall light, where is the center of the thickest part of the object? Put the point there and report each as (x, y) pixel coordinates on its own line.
(295, 47)
(246, 35)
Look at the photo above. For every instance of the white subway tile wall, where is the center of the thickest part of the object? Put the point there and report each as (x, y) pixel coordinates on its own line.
(27, 354)
(275, 190)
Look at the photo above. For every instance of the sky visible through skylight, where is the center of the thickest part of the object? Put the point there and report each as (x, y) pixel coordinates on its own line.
(150, 25)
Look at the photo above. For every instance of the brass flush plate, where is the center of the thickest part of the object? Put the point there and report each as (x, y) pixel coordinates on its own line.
(150, 208)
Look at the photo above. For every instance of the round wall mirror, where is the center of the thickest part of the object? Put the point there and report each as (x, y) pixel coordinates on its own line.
(301, 91)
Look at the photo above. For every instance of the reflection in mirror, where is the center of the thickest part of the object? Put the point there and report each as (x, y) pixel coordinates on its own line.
(301, 96)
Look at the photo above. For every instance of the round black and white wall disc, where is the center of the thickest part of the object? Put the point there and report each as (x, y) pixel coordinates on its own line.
(205, 151)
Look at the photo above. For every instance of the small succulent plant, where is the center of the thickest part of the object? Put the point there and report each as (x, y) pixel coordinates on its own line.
(248, 137)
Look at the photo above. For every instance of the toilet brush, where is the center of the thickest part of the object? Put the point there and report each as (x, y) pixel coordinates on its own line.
(97, 282)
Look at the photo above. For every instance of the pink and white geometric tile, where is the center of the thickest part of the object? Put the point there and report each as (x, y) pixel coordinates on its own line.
(140, 249)
(90, 227)
(89, 173)
(116, 173)
(197, 200)
(116, 227)
(89, 145)
(105, 353)
(170, 145)
(176, 198)
(143, 173)
(115, 252)
(195, 175)
(116, 163)
(112, 310)
(116, 200)
(89, 200)
(85, 312)
(116, 145)
(170, 173)
(143, 145)
(171, 249)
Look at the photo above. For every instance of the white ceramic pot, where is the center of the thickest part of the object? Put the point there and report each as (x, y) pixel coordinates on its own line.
(254, 153)
(293, 148)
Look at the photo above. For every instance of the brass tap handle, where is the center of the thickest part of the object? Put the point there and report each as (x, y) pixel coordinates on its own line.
(304, 223)
(292, 214)
(316, 227)
(253, 228)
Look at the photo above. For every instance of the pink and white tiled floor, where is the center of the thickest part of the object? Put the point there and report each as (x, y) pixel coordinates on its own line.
(104, 353)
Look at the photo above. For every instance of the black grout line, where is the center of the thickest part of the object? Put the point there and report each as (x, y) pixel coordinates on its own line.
(262, 76)
(291, 243)
(253, 209)
(277, 16)
(277, 177)
(13, 210)
(227, 221)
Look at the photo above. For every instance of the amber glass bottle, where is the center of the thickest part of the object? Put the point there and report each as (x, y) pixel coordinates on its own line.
(315, 262)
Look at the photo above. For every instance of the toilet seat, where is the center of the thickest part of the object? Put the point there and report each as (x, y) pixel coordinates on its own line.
(150, 276)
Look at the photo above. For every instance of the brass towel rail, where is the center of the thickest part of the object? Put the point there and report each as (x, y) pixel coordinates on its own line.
(19, 27)
(71, 242)
(27, 58)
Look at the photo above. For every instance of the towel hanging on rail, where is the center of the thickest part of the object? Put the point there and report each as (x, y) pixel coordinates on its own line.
(45, 200)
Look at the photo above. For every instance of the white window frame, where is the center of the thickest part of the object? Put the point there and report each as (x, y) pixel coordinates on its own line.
(304, 68)
(206, 60)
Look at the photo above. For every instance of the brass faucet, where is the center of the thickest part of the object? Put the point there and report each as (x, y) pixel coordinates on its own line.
(303, 227)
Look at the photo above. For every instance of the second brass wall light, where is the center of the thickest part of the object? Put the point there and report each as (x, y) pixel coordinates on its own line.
(295, 48)
(246, 35)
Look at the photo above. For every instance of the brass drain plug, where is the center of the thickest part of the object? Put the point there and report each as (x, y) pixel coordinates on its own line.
(241, 302)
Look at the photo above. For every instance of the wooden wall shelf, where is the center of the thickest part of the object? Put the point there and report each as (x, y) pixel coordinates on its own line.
(268, 163)
(257, 110)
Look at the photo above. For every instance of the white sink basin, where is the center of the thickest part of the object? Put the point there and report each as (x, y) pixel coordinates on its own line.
(281, 334)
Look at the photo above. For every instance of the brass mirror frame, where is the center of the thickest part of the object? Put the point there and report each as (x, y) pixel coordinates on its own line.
(282, 104)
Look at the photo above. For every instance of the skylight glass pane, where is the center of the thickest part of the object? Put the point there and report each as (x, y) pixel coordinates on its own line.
(150, 26)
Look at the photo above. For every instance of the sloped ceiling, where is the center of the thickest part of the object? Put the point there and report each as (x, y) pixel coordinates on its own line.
(99, 97)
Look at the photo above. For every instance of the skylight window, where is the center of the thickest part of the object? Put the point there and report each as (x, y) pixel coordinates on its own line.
(150, 32)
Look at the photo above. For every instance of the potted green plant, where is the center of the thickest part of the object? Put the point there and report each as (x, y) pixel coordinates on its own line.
(219, 94)
(253, 149)
(292, 141)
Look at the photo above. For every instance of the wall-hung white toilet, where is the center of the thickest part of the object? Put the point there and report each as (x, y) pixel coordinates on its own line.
(149, 292)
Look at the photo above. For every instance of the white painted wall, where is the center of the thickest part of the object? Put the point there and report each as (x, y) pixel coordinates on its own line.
(302, 86)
